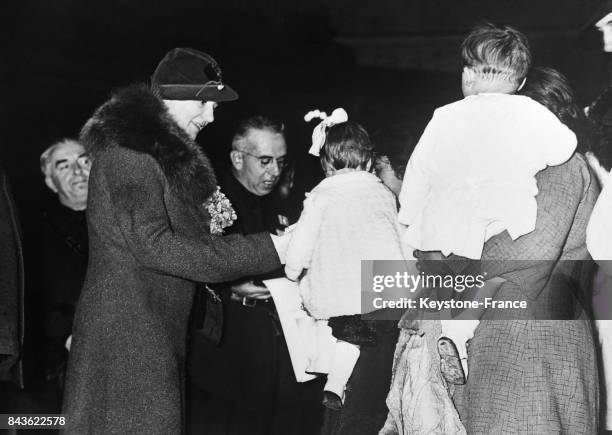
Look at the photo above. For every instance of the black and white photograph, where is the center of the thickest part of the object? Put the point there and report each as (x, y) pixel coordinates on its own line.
(306, 217)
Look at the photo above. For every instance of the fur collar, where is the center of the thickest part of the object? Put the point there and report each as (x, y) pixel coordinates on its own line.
(134, 118)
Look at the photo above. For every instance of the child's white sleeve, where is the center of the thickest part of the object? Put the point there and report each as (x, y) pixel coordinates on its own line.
(304, 237)
(559, 142)
(416, 182)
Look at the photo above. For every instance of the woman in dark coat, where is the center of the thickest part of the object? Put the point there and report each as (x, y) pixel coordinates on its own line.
(149, 243)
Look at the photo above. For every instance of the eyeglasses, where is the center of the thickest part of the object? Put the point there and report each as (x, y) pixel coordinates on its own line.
(266, 161)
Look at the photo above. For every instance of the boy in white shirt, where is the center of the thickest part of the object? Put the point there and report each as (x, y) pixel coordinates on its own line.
(477, 158)
(472, 174)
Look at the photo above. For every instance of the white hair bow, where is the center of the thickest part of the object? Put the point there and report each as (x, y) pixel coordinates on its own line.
(338, 116)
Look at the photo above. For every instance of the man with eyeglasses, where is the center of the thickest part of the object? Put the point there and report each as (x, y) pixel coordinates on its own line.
(65, 166)
(246, 385)
(258, 155)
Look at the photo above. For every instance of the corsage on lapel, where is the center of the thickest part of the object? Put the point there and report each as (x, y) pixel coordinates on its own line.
(222, 214)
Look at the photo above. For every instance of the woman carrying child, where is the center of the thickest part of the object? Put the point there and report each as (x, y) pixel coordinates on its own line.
(496, 160)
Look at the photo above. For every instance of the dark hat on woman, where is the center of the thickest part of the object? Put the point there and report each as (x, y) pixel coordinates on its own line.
(604, 7)
(189, 74)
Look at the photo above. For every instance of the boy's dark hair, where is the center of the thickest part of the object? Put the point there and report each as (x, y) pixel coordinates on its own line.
(551, 89)
(347, 145)
(489, 49)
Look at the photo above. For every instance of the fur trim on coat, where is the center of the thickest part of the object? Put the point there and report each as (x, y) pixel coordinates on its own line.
(136, 119)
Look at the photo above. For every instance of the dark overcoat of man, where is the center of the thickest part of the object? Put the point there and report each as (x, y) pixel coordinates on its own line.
(11, 287)
(246, 385)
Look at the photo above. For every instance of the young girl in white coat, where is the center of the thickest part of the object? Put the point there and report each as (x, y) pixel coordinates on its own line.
(348, 217)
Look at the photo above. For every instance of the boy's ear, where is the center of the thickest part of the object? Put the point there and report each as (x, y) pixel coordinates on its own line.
(468, 75)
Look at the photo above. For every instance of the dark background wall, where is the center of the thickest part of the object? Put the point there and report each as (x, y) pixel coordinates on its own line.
(386, 59)
(425, 34)
(386, 62)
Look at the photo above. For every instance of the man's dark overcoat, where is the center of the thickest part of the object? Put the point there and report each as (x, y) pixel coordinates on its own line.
(11, 287)
(248, 377)
(149, 243)
(64, 252)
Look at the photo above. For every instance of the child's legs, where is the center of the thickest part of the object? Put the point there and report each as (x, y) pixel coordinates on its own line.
(320, 347)
(364, 410)
(345, 357)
